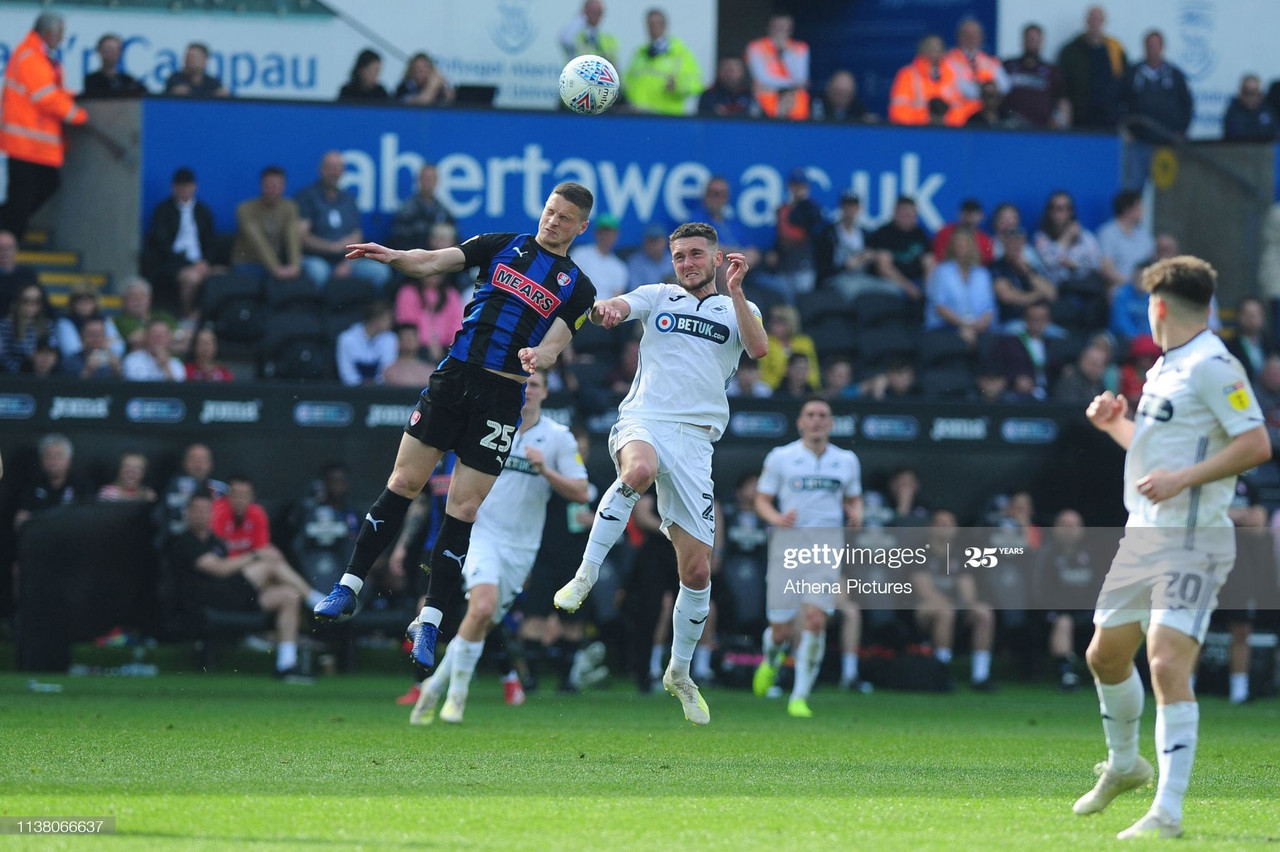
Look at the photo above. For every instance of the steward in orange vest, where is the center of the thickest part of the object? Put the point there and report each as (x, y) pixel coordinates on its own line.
(33, 109)
(778, 63)
(927, 78)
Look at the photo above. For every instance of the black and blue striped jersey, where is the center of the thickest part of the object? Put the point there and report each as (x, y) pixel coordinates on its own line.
(522, 288)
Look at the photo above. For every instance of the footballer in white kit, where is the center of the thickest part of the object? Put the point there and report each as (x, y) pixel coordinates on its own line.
(807, 484)
(677, 407)
(504, 543)
(1196, 428)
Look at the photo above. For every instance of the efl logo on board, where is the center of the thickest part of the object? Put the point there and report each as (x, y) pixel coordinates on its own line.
(531, 292)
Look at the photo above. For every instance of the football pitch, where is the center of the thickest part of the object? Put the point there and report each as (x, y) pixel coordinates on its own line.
(243, 762)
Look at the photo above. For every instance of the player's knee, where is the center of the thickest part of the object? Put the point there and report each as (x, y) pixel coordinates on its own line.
(481, 608)
(696, 575)
(1167, 669)
(1103, 663)
(406, 482)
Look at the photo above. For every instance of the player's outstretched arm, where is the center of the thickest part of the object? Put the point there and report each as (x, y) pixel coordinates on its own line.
(544, 355)
(754, 338)
(1107, 413)
(610, 312)
(1245, 451)
(415, 263)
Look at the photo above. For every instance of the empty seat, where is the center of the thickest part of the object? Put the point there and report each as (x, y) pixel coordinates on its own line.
(874, 309)
(945, 382)
(943, 347)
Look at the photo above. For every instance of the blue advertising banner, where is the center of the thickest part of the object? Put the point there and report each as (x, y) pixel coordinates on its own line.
(496, 168)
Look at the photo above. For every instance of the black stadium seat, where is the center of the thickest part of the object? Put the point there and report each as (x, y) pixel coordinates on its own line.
(876, 309)
(943, 348)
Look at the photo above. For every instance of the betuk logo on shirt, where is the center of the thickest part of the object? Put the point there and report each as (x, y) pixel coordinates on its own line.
(531, 292)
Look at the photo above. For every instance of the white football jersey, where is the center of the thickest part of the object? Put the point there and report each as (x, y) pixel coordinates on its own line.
(1195, 400)
(815, 486)
(516, 508)
(688, 353)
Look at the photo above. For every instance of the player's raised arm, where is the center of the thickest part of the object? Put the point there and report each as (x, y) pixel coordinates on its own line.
(1107, 413)
(414, 263)
(610, 312)
(544, 355)
(754, 338)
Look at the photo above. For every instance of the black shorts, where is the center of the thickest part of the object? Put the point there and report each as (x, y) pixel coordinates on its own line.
(471, 411)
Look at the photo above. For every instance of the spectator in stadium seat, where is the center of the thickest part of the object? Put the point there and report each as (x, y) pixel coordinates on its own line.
(212, 576)
(1143, 352)
(130, 483)
(784, 340)
(927, 79)
(663, 74)
(1086, 378)
(1093, 65)
(1069, 250)
(155, 362)
(192, 81)
(839, 103)
(795, 382)
(268, 231)
(837, 379)
(136, 313)
(55, 483)
(180, 247)
(363, 84)
(96, 357)
(330, 222)
(367, 348)
(729, 95)
(904, 251)
(1252, 344)
(82, 306)
(109, 81)
(420, 212)
(605, 269)
(960, 294)
(972, 66)
(651, 263)
(971, 216)
(991, 385)
(423, 84)
(1249, 118)
(203, 365)
(584, 35)
(1129, 308)
(1124, 242)
(13, 275)
(799, 220)
(942, 592)
(1015, 281)
(435, 310)
(1037, 91)
(777, 63)
(1005, 218)
(843, 257)
(1068, 570)
(716, 210)
(623, 373)
(747, 382)
(408, 370)
(1267, 387)
(195, 476)
(239, 520)
(902, 495)
(46, 360)
(27, 323)
(992, 112)
(1030, 359)
(1155, 108)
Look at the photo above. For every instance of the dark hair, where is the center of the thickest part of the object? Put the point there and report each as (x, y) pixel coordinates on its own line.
(364, 59)
(696, 229)
(239, 477)
(1046, 222)
(577, 195)
(1188, 278)
(796, 356)
(183, 175)
(200, 46)
(376, 308)
(1125, 201)
(813, 397)
(199, 495)
(971, 205)
(405, 326)
(904, 199)
(105, 36)
(334, 467)
(1033, 26)
(271, 170)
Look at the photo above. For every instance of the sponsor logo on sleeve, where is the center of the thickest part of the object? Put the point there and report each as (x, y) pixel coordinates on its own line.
(1237, 394)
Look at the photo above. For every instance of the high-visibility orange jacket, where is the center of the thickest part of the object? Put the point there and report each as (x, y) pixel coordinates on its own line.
(972, 73)
(774, 71)
(34, 105)
(915, 85)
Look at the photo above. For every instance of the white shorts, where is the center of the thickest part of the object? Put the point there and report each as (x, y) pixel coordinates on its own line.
(783, 606)
(685, 489)
(1172, 586)
(496, 564)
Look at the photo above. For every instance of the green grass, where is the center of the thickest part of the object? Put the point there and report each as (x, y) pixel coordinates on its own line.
(241, 762)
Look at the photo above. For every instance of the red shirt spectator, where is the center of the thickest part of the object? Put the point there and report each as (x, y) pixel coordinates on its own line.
(241, 523)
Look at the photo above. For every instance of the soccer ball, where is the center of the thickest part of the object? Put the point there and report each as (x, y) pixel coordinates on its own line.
(589, 84)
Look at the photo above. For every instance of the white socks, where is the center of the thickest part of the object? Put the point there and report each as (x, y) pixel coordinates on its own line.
(465, 656)
(1239, 687)
(687, 618)
(611, 519)
(942, 655)
(352, 582)
(655, 661)
(440, 677)
(1177, 728)
(848, 666)
(1121, 705)
(809, 656)
(981, 666)
(702, 662)
(430, 615)
(286, 655)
